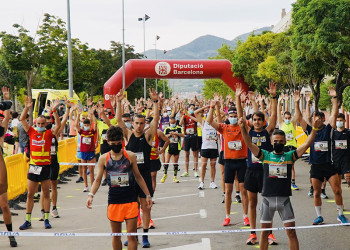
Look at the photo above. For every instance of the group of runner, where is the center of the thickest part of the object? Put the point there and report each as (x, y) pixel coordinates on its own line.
(139, 139)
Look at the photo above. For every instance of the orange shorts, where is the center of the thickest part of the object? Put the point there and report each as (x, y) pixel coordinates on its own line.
(121, 212)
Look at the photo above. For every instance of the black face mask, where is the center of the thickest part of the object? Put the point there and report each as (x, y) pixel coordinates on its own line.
(109, 113)
(48, 126)
(278, 147)
(116, 148)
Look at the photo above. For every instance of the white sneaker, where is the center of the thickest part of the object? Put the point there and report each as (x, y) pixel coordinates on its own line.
(213, 185)
(196, 174)
(86, 189)
(201, 186)
(54, 213)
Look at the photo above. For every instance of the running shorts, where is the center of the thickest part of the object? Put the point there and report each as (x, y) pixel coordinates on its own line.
(233, 168)
(155, 165)
(277, 203)
(174, 150)
(253, 180)
(209, 153)
(221, 158)
(121, 212)
(161, 142)
(38, 173)
(322, 171)
(148, 179)
(191, 142)
(54, 169)
(87, 156)
(342, 166)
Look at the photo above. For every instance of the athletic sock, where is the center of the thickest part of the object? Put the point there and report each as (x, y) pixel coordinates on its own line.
(270, 232)
(237, 193)
(9, 227)
(54, 207)
(293, 181)
(176, 169)
(42, 210)
(323, 191)
(227, 216)
(145, 231)
(253, 232)
(47, 214)
(245, 216)
(166, 168)
(28, 217)
(318, 211)
(340, 210)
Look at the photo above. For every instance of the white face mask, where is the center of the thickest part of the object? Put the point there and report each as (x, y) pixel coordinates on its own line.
(86, 128)
(340, 124)
(165, 114)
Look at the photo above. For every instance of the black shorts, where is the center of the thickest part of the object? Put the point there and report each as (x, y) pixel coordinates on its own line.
(342, 166)
(174, 150)
(43, 176)
(191, 142)
(288, 148)
(322, 171)
(233, 168)
(200, 141)
(161, 142)
(209, 153)
(155, 165)
(253, 180)
(146, 175)
(55, 168)
(221, 160)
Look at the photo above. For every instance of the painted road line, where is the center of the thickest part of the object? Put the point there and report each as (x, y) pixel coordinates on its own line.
(203, 213)
(73, 208)
(175, 216)
(201, 194)
(177, 196)
(204, 245)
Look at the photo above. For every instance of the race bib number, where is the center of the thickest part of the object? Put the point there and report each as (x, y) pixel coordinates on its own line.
(289, 137)
(278, 170)
(35, 169)
(255, 159)
(53, 150)
(190, 131)
(139, 158)
(235, 145)
(86, 140)
(341, 144)
(104, 137)
(119, 179)
(153, 143)
(321, 146)
(174, 139)
(212, 137)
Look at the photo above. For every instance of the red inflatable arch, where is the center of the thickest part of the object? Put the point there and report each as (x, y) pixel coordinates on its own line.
(171, 69)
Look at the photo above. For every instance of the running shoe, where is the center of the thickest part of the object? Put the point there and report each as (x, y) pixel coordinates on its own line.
(139, 223)
(324, 196)
(86, 189)
(246, 222)
(238, 198)
(175, 180)
(80, 179)
(185, 174)
(201, 186)
(213, 185)
(163, 178)
(151, 224)
(311, 192)
(342, 219)
(252, 239)
(104, 182)
(26, 225)
(54, 213)
(196, 174)
(42, 216)
(223, 198)
(13, 242)
(226, 222)
(272, 240)
(318, 221)
(47, 224)
(295, 187)
(145, 242)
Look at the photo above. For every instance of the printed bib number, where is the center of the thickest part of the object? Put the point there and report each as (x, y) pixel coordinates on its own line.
(153, 143)
(104, 137)
(174, 139)
(190, 131)
(35, 169)
(321, 146)
(235, 145)
(212, 137)
(53, 150)
(139, 158)
(86, 140)
(278, 170)
(341, 144)
(119, 179)
(289, 137)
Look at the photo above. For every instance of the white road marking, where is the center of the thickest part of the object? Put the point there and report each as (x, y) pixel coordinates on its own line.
(175, 216)
(204, 245)
(177, 196)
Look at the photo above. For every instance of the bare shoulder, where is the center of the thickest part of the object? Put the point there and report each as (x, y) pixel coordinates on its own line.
(130, 154)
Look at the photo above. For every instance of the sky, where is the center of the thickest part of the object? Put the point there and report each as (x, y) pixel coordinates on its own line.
(176, 22)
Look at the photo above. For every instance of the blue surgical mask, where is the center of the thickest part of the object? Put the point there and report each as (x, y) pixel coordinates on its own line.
(86, 128)
(128, 124)
(191, 111)
(173, 125)
(40, 129)
(286, 121)
(232, 120)
(340, 124)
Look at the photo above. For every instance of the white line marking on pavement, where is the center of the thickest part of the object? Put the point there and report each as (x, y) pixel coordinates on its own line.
(201, 194)
(103, 205)
(181, 180)
(175, 216)
(204, 245)
(177, 196)
(203, 213)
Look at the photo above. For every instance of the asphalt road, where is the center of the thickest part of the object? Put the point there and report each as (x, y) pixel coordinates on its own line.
(181, 207)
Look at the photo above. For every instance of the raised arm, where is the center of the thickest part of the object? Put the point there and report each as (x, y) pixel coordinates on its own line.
(28, 105)
(273, 100)
(103, 116)
(154, 123)
(296, 97)
(316, 126)
(119, 97)
(335, 110)
(57, 119)
(247, 140)
(252, 99)
(65, 117)
(210, 117)
(279, 112)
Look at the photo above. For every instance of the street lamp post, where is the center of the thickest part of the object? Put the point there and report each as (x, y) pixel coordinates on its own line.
(144, 19)
(155, 50)
(70, 65)
(123, 49)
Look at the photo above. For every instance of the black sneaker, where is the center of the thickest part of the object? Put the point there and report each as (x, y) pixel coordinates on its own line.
(13, 242)
(80, 179)
(238, 198)
(104, 182)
